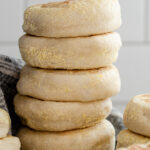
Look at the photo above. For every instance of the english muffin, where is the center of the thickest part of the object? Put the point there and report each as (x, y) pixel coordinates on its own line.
(73, 18)
(137, 115)
(10, 143)
(99, 137)
(70, 53)
(60, 116)
(127, 138)
(4, 123)
(65, 85)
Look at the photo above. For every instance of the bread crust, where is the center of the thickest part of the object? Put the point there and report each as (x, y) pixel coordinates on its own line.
(10, 143)
(60, 116)
(99, 137)
(65, 85)
(137, 147)
(70, 53)
(127, 138)
(73, 18)
(137, 115)
(4, 123)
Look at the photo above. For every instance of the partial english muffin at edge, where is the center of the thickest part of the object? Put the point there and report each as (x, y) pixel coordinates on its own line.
(137, 115)
(127, 138)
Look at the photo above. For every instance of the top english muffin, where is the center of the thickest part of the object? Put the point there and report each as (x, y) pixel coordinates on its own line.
(72, 18)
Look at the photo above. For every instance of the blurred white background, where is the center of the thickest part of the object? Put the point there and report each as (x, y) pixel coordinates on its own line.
(134, 59)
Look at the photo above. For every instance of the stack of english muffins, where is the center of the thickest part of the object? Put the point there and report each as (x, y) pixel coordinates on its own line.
(65, 88)
(7, 142)
(137, 120)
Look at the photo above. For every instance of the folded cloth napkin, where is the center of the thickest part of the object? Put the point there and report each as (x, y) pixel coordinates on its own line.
(9, 75)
